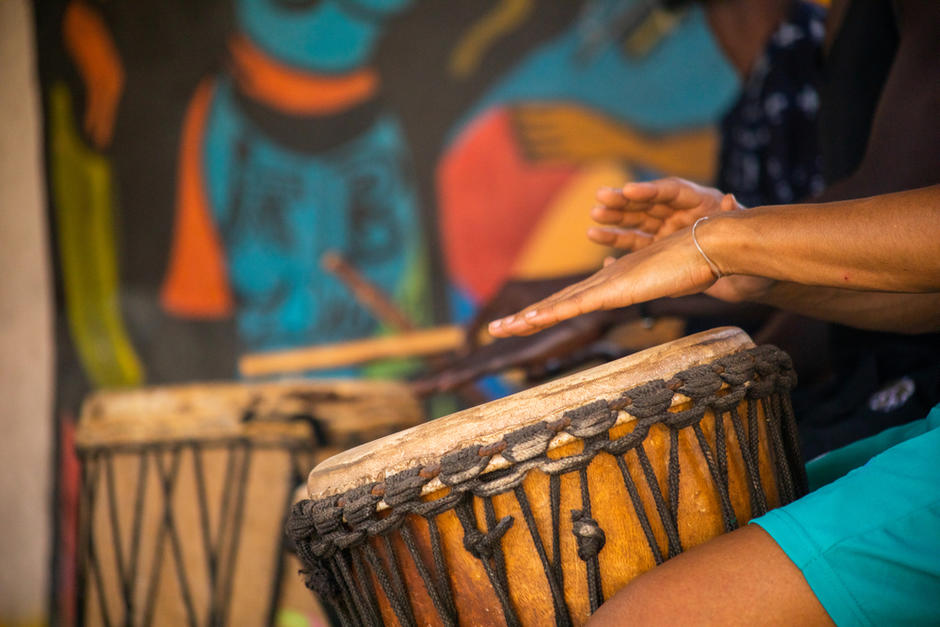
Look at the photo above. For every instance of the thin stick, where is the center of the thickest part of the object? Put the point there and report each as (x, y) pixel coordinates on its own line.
(422, 343)
(367, 293)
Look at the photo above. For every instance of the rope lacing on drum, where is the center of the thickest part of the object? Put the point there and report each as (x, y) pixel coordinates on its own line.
(335, 528)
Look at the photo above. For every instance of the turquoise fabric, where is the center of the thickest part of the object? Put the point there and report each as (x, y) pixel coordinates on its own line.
(868, 542)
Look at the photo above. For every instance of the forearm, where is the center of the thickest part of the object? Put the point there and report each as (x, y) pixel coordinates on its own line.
(876, 311)
(886, 243)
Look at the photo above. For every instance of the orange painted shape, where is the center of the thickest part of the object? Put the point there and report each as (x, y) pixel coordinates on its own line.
(196, 284)
(491, 200)
(91, 47)
(296, 91)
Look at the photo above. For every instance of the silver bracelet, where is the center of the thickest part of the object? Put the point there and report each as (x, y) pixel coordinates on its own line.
(711, 264)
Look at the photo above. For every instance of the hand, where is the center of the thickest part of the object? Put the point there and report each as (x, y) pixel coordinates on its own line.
(669, 267)
(96, 57)
(641, 213)
(567, 133)
(511, 297)
(564, 133)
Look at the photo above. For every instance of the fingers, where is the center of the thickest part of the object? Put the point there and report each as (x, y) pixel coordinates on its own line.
(611, 197)
(729, 203)
(580, 298)
(630, 217)
(675, 192)
(626, 239)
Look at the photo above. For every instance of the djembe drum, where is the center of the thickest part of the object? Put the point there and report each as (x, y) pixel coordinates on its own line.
(185, 491)
(536, 508)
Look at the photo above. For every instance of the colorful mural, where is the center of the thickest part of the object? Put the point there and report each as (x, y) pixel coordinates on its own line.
(288, 155)
(203, 157)
(590, 107)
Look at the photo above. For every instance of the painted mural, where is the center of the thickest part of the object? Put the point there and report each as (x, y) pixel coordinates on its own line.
(203, 157)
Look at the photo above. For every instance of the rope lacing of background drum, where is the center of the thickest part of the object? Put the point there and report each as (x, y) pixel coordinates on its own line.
(323, 530)
(220, 541)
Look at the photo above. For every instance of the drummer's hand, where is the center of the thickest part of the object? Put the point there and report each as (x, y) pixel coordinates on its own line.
(571, 340)
(511, 297)
(669, 267)
(638, 214)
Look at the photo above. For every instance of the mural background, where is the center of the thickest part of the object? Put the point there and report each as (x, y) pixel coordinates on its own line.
(201, 157)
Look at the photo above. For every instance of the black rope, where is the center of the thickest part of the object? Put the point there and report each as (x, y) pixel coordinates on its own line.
(751, 467)
(392, 587)
(590, 539)
(434, 588)
(367, 613)
(225, 587)
(202, 500)
(346, 606)
(118, 544)
(753, 431)
(673, 480)
(554, 489)
(497, 529)
(439, 563)
(480, 545)
(724, 498)
(292, 479)
(640, 510)
(721, 448)
(784, 481)
(143, 471)
(168, 481)
(673, 544)
(89, 490)
(555, 586)
(794, 453)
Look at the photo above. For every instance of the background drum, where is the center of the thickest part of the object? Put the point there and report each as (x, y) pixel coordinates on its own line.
(185, 492)
(535, 508)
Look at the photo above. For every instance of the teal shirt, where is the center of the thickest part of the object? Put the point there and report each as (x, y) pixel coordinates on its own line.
(867, 539)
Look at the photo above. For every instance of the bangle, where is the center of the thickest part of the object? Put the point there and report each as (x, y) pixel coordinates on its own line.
(711, 264)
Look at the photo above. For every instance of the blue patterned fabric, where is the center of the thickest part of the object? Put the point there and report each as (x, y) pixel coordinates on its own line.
(770, 152)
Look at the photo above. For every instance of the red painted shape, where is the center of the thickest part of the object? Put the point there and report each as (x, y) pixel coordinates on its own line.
(490, 199)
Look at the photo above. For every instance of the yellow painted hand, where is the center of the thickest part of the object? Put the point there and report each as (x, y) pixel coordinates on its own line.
(559, 132)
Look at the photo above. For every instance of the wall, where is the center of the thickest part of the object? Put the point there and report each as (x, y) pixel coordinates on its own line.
(25, 331)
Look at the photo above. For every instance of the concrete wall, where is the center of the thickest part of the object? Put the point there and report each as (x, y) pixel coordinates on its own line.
(26, 347)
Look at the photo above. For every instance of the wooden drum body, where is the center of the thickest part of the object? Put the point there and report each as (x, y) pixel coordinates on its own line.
(535, 508)
(185, 491)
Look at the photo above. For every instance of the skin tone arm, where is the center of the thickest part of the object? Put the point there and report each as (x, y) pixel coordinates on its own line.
(874, 311)
(768, 589)
(642, 213)
(881, 244)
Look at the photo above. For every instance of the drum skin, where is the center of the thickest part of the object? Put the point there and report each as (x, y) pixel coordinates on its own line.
(186, 489)
(537, 552)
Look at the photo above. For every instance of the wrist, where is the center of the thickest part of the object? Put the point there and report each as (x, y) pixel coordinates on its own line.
(722, 241)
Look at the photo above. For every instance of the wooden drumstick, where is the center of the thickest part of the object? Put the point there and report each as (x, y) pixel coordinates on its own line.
(420, 343)
(367, 293)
